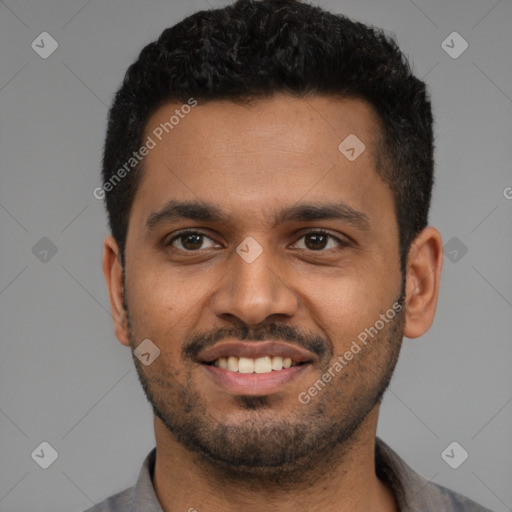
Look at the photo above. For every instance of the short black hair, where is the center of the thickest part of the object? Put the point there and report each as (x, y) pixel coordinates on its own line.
(252, 49)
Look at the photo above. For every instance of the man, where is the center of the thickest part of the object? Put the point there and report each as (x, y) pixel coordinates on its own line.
(267, 173)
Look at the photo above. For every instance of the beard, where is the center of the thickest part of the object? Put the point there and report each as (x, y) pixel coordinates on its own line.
(265, 446)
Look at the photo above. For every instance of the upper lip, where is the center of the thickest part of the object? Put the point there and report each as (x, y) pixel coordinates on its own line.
(254, 350)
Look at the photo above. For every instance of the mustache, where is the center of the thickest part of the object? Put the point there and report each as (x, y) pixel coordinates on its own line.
(274, 332)
(318, 345)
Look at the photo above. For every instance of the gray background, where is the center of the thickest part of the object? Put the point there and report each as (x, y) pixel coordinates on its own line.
(66, 380)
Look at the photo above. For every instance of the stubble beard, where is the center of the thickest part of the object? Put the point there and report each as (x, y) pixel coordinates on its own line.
(266, 448)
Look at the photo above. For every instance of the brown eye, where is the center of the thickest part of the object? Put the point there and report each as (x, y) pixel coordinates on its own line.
(190, 241)
(319, 240)
(316, 241)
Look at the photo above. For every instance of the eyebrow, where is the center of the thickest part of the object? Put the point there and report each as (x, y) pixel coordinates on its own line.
(200, 211)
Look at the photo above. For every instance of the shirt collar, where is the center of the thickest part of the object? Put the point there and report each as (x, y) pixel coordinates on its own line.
(406, 484)
(403, 481)
(143, 493)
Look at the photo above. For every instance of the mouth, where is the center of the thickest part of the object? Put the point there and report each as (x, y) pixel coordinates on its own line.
(255, 368)
(265, 364)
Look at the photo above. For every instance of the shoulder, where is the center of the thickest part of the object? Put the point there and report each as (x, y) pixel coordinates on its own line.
(140, 497)
(121, 501)
(450, 500)
(413, 492)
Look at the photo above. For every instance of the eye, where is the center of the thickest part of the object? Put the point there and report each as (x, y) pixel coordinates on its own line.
(190, 241)
(318, 240)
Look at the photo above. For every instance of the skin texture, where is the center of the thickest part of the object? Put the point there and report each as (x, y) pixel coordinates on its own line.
(221, 451)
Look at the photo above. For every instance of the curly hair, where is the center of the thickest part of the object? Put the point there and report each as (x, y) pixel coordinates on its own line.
(252, 49)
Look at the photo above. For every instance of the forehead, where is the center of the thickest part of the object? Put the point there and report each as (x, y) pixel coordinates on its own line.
(311, 125)
(252, 158)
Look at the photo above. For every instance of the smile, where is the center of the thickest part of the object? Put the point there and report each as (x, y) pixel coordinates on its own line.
(255, 367)
(265, 364)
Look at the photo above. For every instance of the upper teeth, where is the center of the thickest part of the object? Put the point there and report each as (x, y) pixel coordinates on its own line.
(247, 365)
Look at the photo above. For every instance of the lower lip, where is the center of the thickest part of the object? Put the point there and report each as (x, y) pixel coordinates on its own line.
(255, 384)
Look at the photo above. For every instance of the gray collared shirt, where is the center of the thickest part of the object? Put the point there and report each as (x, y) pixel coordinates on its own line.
(412, 492)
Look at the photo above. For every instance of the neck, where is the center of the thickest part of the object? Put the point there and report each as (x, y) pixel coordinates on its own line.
(344, 481)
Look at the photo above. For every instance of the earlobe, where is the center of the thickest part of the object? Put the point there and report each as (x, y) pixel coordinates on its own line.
(113, 272)
(424, 265)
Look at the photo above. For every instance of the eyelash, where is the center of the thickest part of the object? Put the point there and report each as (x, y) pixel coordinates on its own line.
(182, 233)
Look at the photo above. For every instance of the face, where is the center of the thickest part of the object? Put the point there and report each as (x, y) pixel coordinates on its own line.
(252, 241)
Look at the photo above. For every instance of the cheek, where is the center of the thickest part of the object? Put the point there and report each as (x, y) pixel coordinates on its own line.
(162, 306)
(344, 307)
(157, 290)
(153, 303)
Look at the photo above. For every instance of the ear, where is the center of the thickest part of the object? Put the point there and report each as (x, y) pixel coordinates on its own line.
(113, 271)
(424, 265)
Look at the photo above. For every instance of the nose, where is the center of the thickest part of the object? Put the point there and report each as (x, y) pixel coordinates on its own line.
(254, 291)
